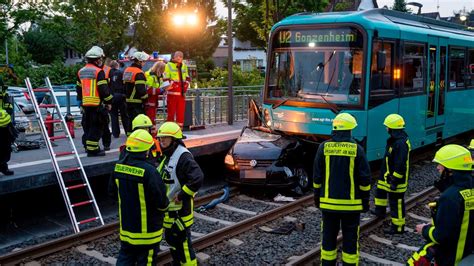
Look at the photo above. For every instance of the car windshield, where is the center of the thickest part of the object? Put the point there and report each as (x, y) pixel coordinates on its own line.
(316, 65)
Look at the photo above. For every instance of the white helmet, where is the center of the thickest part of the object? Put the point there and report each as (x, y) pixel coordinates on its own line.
(140, 56)
(95, 52)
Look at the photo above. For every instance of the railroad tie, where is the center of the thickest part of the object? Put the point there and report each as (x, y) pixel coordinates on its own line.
(379, 260)
(390, 243)
(212, 219)
(96, 254)
(418, 217)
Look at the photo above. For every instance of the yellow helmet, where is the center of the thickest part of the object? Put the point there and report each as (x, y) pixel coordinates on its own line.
(394, 121)
(141, 121)
(471, 145)
(344, 121)
(139, 141)
(170, 129)
(454, 157)
(5, 118)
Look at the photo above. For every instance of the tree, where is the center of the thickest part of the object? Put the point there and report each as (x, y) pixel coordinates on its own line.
(44, 46)
(255, 18)
(155, 30)
(14, 15)
(400, 5)
(82, 24)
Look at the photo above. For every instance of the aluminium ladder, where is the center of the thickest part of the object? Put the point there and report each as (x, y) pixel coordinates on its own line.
(66, 189)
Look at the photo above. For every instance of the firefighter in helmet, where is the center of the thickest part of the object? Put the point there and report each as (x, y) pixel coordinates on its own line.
(341, 185)
(6, 109)
(93, 91)
(183, 178)
(393, 180)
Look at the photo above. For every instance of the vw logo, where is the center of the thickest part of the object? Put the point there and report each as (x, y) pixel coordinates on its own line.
(253, 163)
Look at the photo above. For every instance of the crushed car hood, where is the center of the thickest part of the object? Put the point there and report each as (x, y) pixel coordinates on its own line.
(259, 145)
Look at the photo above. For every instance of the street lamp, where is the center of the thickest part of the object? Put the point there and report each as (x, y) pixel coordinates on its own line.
(188, 19)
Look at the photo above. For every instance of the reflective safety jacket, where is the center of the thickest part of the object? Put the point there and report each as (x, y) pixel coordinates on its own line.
(153, 83)
(183, 178)
(178, 76)
(453, 228)
(341, 174)
(92, 87)
(107, 72)
(142, 199)
(395, 165)
(5, 118)
(134, 80)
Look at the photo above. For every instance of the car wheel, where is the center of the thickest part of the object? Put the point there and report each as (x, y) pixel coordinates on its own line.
(303, 179)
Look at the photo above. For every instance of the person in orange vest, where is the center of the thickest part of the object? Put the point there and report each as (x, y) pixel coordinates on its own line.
(135, 87)
(154, 81)
(176, 72)
(93, 91)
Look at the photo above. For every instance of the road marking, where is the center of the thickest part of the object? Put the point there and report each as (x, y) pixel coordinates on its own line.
(379, 260)
(212, 219)
(390, 243)
(96, 254)
(234, 209)
(418, 217)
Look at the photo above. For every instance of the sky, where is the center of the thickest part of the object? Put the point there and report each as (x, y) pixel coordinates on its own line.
(446, 7)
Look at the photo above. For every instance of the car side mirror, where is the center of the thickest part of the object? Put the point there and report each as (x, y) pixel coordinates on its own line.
(381, 60)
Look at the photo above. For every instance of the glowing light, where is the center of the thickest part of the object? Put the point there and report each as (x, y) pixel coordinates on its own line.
(191, 19)
(311, 44)
(397, 73)
(178, 20)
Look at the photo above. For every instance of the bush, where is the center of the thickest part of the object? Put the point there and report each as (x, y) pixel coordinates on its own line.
(57, 72)
(219, 78)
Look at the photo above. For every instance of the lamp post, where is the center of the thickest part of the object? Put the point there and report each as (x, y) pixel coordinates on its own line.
(230, 48)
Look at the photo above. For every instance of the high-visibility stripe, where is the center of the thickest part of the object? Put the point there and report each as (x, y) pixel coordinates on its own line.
(149, 259)
(148, 235)
(102, 82)
(430, 234)
(316, 185)
(132, 95)
(173, 93)
(187, 254)
(188, 191)
(340, 207)
(129, 170)
(350, 258)
(462, 236)
(134, 101)
(141, 197)
(326, 184)
(351, 176)
(140, 82)
(364, 188)
(381, 202)
(328, 254)
(117, 182)
(341, 201)
(108, 98)
(140, 241)
(397, 175)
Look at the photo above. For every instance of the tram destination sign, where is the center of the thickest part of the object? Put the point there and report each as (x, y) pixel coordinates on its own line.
(319, 37)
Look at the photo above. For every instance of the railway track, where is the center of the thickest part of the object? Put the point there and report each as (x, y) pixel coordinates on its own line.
(204, 241)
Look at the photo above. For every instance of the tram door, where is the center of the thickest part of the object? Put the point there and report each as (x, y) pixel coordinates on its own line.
(436, 85)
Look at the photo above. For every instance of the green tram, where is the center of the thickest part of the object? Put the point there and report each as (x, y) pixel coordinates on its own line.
(369, 63)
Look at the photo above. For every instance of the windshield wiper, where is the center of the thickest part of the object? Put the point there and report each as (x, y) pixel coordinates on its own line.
(332, 105)
(274, 106)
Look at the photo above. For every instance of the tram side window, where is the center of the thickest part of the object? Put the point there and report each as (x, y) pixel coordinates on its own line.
(470, 69)
(413, 68)
(457, 68)
(381, 81)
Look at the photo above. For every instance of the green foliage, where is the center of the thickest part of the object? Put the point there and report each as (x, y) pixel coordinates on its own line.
(13, 15)
(342, 6)
(57, 73)
(255, 18)
(240, 78)
(400, 5)
(44, 46)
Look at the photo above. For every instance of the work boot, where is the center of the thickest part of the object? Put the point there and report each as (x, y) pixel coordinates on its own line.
(107, 148)
(392, 230)
(100, 153)
(380, 215)
(7, 172)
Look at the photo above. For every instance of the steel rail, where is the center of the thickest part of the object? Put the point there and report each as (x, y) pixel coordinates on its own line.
(240, 227)
(309, 257)
(47, 248)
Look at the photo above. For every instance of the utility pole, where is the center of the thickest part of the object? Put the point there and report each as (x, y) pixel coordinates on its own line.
(6, 50)
(230, 50)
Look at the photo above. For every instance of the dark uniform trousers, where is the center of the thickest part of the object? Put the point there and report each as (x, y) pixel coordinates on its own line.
(396, 201)
(181, 247)
(143, 255)
(5, 147)
(133, 110)
(332, 223)
(119, 107)
(93, 121)
(107, 136)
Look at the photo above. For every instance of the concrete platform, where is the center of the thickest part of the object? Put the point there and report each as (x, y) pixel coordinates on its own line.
(33, 169)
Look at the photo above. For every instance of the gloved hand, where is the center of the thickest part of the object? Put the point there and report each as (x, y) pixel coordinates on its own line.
(365, 205)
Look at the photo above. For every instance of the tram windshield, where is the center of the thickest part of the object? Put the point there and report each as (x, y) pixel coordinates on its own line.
(316, 66)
